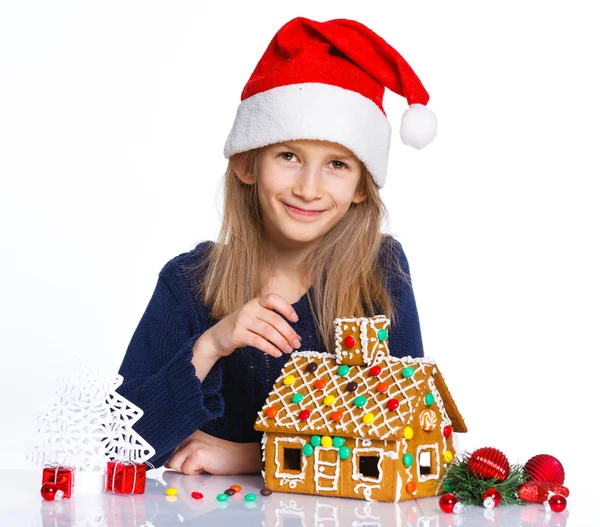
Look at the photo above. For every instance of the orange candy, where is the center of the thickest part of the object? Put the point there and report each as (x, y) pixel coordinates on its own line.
(320, 384)
(271, 411)
(411, 486)
(337, 416)
(382, 387)
(237, 488)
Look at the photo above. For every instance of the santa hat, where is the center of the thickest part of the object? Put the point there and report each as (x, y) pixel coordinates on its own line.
(325, 80)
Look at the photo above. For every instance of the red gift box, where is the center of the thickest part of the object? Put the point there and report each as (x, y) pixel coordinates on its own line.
(62, 477)
(125, 477)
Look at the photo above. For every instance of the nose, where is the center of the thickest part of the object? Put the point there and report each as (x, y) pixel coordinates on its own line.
(308, 184)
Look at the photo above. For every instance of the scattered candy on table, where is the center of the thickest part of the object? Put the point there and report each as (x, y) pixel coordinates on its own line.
(237, 488)
(266, 492)
(230, 492)
(222, 497)
(250, 497)
(171, 491)
(197, 495)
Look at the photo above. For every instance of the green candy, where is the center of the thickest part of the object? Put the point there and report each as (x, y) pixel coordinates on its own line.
(361, 400)
(297, 397)
(382, 334)
(250, 497)
(315, 440)
(408, 372)
(408, 460)
(343, 370)
(344, 452)
(222, 497)
(429, 399)
(308, 450)
(338, 441)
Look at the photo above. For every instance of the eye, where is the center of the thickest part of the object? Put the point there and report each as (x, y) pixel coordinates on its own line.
(338, 167)
(284, 155)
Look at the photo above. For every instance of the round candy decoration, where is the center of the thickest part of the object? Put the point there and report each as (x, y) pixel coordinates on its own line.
(408, 432)
(408, 372)
(337, 415)
(304, 415)
(197, 495)
(351, 386)
(429, 399)
(222, 497)
(311, 367)
(343, 370)
(349, 341)
(361, 400)
(320, 384)
(383, 387)
(447, 431)
(326, 441)
(338, 441)
(448, 456)
(50, 492)
(428, 420)
(344, 452)
(329, 400)
(411, 487)
(289, 380)
(297, 398)
(368, 418)
(382, 334)
(407, 460)
(315, 440)
(171, 491)
(271, 412)
(393, 404)
(237, 488)
(308, 450)
(250, 497)
(375, 370)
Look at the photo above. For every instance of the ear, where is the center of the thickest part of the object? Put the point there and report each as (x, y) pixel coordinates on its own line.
(360, 196)
(240, 168)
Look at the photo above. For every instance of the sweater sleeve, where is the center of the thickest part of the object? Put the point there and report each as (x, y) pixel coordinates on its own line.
(405, 335)
(159, 377)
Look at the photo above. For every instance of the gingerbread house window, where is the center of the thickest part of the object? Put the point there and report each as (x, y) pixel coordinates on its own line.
(292, 459)
(368, 466)
(425, 462)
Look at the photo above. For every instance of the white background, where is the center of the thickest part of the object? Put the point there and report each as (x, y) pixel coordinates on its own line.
(113, 116)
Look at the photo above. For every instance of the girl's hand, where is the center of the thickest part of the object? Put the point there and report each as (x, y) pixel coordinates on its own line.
(255, 324)
(204, 453)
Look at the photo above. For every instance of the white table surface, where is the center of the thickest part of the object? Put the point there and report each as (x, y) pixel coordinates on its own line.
(22, 505)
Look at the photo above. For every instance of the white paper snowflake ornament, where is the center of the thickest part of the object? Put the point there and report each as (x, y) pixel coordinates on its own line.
(86, 424)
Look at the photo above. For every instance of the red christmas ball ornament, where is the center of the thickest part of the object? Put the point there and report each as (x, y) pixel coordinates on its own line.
(491, 498)
(538, 491)
(557, 503)
(449, 503)
(50, 492)
(488, 463)
(545, 467)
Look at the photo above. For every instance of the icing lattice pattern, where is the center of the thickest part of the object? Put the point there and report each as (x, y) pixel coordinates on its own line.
(385, 423)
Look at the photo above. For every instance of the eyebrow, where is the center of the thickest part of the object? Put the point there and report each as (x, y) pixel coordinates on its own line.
(337, 155)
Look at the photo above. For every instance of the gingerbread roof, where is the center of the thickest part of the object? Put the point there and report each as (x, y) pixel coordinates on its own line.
(314, 394)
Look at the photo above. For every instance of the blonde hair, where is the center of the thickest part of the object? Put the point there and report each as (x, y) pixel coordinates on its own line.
(349, 265)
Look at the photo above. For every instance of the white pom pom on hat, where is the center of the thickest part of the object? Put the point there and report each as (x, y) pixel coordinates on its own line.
(325, 81)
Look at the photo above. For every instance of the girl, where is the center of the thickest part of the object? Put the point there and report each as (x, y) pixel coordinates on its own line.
(299, 246)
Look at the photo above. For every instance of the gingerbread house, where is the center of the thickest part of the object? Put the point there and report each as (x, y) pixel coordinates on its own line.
(358, 423)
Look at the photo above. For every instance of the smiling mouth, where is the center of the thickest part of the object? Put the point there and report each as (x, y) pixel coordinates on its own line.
(302, 212)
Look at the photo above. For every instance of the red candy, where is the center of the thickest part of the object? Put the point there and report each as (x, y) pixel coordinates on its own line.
(393, 404)
(447, 431)
(337, 415)
(271, 411)
(197, 495)
(383, 387)
(375, 371)
(411, 486)
(304, 415)
(320, 384)
(349, 341)
(125, 478)
(62, 477)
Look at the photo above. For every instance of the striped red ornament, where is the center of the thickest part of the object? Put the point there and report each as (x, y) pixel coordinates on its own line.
(488, 463)
(545, 467)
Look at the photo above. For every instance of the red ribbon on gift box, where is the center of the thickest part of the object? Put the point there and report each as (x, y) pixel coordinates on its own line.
(63, 477)
(125, 477)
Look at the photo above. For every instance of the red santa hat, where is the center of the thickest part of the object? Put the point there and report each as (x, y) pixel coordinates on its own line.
(325, 80)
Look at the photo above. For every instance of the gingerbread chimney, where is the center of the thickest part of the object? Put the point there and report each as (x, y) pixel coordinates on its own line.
(361, 341)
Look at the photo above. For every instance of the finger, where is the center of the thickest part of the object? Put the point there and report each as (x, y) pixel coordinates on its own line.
(280, 325)
(274, 301)
(194, 463)
(257, 341)
(177, 459)
(268, 332)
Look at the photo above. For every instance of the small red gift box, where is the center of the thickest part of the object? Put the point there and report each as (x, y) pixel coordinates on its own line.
(125, 477)
(62, 477)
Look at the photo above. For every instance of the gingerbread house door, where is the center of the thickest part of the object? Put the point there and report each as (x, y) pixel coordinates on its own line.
(327, 469)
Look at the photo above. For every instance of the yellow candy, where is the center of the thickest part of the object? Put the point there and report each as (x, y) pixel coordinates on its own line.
(171, 499)
(289, 380)
(326, 441)
(368, 418)
(171, 491)
(448, 456)
(408, 433)
(329, 400)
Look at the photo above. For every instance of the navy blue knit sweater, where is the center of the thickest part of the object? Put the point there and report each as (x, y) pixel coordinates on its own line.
(160, 378)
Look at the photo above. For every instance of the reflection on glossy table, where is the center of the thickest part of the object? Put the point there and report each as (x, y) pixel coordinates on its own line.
(22, 505)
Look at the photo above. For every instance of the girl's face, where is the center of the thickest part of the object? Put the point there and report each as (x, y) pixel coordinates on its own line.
(305, 187)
